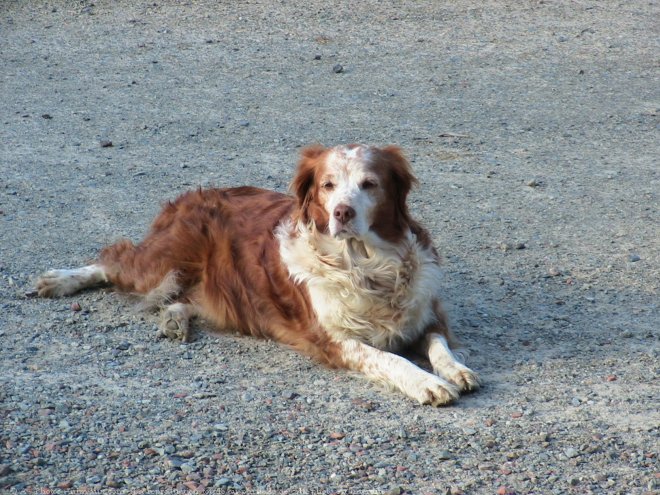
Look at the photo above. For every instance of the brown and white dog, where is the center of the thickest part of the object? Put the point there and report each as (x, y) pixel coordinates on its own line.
(339, 271)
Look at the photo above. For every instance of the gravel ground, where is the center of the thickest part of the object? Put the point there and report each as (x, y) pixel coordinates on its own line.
(532, 127)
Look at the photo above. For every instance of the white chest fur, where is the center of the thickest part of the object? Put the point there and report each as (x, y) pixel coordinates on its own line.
(382, 297)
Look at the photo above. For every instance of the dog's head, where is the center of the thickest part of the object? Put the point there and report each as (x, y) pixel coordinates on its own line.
(354, 191)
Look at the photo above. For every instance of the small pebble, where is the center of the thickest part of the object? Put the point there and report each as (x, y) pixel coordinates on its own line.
(443, 455)
(338, 69)
(223, 482)
(554, 272)
(112, 483)
(634, 258)
(105, 143)
(124, 346)
(76, 307)
(364, 404)
(174, 462)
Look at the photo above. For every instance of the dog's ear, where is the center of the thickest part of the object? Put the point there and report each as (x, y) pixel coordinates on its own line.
(392, 219)
(305, 175)
(401, 176)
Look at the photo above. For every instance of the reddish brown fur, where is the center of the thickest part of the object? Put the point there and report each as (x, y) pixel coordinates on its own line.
(393, 218)
(219, 244)
(306, 188)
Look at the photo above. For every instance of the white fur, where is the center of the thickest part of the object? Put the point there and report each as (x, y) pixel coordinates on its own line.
(382, 296)
(446, 365)
(399, 373)
(56, 283)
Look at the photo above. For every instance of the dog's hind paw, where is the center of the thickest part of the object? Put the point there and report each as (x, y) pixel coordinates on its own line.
(175, 323)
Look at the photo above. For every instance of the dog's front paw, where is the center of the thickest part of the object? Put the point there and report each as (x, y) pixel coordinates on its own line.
(460, 375)
(433, 390)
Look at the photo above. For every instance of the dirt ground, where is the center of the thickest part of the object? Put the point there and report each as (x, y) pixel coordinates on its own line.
(533, 129)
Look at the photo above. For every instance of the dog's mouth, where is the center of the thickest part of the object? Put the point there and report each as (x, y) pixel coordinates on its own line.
(346, 233)
(343, 231)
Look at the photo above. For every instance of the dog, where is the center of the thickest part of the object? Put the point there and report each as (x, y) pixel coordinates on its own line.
(338, 270)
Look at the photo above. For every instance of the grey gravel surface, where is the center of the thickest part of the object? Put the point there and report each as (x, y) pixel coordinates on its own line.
(532, 127)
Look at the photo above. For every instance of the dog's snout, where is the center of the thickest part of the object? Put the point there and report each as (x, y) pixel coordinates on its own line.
(344, 213)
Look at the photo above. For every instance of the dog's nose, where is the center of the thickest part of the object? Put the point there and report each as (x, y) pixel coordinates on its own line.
(344, 213)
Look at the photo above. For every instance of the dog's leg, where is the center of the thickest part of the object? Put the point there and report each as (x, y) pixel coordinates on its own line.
(57, 283)
(397, 372)
(445, 364)
(174, 321)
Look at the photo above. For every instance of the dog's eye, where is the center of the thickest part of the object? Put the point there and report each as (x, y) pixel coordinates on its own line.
(328, 186)
(368, 184)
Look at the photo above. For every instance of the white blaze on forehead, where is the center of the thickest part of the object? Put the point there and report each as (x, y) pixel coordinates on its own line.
(348, 161)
